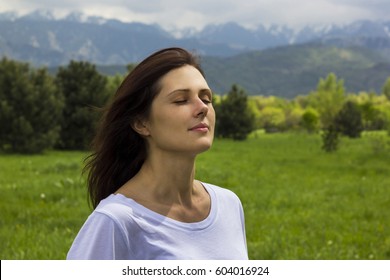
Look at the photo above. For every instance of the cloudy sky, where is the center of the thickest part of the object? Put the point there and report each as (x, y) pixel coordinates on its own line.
(198, 13)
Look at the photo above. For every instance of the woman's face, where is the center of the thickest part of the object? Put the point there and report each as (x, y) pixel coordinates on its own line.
(182, 117)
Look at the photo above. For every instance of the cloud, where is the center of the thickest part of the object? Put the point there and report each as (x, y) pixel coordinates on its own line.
(169, 13)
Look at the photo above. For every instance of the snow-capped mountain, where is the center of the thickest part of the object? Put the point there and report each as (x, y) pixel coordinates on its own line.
(42, 37)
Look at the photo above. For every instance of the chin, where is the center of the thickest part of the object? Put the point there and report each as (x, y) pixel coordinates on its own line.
(203, 147)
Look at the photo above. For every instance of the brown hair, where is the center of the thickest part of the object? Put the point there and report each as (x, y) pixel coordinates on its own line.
(118, 152)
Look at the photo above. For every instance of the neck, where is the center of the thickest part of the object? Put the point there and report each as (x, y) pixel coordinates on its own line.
(168, 178)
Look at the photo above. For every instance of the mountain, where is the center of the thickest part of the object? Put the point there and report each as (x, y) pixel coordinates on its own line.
(239, 37)
(292, 70)
(265, 37)
(271, 59)
(42, 40)
(289, 71)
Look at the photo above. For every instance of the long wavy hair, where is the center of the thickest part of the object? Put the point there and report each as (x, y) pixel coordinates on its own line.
(118, 151)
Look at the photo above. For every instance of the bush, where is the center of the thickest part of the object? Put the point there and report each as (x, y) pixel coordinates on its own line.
(272, 119)
(310, 120)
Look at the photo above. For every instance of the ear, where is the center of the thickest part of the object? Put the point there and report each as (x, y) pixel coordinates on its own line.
(140, 127)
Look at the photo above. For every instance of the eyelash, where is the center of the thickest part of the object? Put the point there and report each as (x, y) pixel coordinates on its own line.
(180, 102)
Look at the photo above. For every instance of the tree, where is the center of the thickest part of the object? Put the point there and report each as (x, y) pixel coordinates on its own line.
(84, 89)
(372, 117)
(330, 139)
(272, 119)
(386, 88)
(349, 120)
(113, 83)
(234, 119)
(330, 97)
(310, 120)
(30, 108)
(293, 117)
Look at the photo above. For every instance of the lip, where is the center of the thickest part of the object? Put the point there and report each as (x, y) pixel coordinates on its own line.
(202, 127)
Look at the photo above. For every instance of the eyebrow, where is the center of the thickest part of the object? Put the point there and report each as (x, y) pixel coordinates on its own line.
(185, 90)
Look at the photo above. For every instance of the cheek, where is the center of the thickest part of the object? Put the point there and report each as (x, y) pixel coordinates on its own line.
(163, 120)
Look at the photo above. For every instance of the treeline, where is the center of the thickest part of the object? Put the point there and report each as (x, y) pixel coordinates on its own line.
(321, 107)
(40, 111)
(329, 109)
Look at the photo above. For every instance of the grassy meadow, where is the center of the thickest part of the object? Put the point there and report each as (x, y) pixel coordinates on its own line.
(299, 202)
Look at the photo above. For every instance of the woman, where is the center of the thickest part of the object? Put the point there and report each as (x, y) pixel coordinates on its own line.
(141, 180)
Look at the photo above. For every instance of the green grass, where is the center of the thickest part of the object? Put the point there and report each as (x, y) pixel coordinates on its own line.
(299, 202)
(42, 203)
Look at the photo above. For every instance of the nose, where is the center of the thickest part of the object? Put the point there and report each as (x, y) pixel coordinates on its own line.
(201, 108)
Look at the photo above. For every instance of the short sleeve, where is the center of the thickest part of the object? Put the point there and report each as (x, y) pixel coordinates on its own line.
(100, 238)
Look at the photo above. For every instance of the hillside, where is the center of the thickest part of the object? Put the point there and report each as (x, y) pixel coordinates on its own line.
(293, 70)
(267, 60)
(45, 41)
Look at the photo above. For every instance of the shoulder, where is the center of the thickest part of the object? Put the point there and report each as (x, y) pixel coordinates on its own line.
(116, 207)
(227, 203)
(219, 190)
(113, 216)
(113, 204)
(104, 234)
(222, 194)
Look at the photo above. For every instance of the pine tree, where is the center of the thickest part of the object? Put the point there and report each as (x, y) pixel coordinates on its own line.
(234, 119)
(349, 120)
(30, 108)
(84, 89)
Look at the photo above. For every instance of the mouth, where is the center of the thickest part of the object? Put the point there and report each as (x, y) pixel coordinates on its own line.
(202, 127)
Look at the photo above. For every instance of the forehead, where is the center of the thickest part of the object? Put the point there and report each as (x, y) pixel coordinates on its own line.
(185, 77)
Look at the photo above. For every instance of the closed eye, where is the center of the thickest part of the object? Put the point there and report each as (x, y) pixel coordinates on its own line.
(184, 101)
(206, 96)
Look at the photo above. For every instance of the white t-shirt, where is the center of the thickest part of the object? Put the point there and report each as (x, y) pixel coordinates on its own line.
(120, 228)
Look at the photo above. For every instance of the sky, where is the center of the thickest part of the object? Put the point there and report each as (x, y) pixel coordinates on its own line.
(181, 14)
